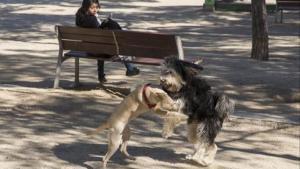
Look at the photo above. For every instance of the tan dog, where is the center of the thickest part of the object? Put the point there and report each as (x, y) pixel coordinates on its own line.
(172, 120)
(141, 100)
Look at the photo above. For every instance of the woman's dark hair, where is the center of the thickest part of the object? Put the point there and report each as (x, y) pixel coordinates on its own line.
(86, 5)
(82, 18)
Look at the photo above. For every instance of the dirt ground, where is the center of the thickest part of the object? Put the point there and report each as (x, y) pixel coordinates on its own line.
(45, 128)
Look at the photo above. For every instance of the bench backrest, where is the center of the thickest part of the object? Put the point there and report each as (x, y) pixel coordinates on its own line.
(130, 43)
(288, 4)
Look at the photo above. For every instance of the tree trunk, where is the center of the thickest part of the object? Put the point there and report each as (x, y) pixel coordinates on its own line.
(260, 40)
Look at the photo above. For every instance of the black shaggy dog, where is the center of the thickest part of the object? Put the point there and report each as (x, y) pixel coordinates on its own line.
(206, 109)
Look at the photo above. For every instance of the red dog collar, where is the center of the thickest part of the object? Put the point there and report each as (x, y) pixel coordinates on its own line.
(150, 106)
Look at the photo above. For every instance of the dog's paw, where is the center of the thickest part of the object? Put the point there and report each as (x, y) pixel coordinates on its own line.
(104, 164)
(189, 157)
(90, 134)
(126, 155)
(131, 158)
(165, 135)
(202, 162)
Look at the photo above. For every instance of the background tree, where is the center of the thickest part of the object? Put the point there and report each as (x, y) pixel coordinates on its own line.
(260, 40)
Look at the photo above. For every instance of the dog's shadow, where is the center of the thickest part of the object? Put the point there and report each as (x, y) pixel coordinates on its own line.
(80, 153)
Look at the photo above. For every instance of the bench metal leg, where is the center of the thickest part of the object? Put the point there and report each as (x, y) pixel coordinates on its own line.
(281, 16)
(179, 48)
(76, 72)
(58, 70)
(276, 16)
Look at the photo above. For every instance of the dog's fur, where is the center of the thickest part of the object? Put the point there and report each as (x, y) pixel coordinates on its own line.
(131, 107)
(206, 110)
(110, 24)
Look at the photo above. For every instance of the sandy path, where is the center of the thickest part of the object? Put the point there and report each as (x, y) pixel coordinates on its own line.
(263, 90)
(45, 129)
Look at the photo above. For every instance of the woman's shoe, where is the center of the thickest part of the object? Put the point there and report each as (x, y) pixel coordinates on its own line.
(133, 72)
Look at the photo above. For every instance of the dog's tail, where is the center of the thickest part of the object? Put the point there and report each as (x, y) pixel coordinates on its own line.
(224, 106)
(99, 129)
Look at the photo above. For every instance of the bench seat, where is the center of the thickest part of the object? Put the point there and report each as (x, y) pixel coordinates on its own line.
(137, 60)
(286, 5)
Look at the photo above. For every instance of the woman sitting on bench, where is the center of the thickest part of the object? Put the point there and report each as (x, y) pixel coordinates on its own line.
(87, 17)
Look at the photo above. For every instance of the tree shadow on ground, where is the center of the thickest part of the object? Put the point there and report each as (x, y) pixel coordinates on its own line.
(223, 39)
(254, 146)
(38, 115)
(259, 152)
(86, 152)
(68, 115)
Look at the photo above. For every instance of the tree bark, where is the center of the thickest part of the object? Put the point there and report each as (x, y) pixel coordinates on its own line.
(260, 40)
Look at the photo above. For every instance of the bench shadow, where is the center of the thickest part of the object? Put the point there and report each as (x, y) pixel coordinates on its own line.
(119, 88)
(79, 153)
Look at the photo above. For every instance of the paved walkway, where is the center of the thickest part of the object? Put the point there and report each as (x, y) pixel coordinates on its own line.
(265, 92)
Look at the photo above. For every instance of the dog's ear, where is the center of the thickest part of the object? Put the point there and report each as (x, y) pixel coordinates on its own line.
(191, 71)
(193, 65)
(184, 68)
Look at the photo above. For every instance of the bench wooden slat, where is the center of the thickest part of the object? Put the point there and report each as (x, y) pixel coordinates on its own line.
(148, 61)
(290, 4)
(146, 52)
(134, 41)
(81, 54)
(138, 60)
(289, 8)
(85, 31)
(287, 0)
(138, 39)
(125, 33)
(89, 47)
(155, 43)
(88, 38)
(123, 50)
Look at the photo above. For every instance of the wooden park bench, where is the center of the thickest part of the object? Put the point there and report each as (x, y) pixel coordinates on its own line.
(147, 48)
(286, 5)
